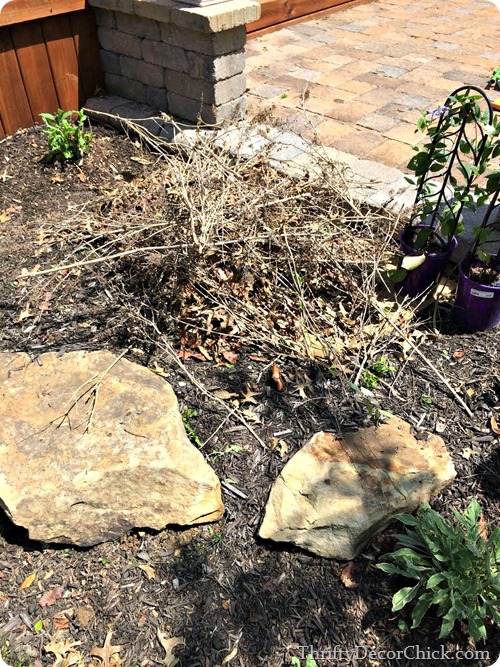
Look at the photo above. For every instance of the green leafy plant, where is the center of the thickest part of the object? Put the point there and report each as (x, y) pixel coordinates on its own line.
(456, 565)
(187, 414)
(375, 413)
(495, 78)
(66, 137)
(310, 661)
(376, 372)
(460, 150)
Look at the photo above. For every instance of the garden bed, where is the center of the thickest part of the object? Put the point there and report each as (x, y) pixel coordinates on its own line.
(219, 279)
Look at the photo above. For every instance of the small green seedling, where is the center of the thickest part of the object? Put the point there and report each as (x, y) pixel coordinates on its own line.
(230, 449)
(187, 414)
(426, 401)
(65, 135)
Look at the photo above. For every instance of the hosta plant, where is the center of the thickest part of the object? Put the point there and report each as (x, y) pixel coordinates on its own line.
(66, 137)
(456, 565)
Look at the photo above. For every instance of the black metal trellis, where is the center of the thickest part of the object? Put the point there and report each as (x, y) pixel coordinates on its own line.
(457, 144)
(489, 220)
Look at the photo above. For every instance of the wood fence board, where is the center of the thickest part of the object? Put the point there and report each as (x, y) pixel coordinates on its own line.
(14, 105)
(35, 68)
(3, 133)
(87, 51)
(63, 60)
(277, 12)
(18, 11)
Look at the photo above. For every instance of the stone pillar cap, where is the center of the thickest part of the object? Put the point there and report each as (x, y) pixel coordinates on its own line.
(207, 16)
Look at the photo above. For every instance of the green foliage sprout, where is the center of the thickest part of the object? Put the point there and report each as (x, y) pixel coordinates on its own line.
(187, 414)
(310, 661)
(495, 77)
(65, 135)
(376, 372)
(457, 567)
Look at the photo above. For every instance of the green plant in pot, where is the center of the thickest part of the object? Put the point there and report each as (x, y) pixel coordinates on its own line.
(477, 300)
(447, 168)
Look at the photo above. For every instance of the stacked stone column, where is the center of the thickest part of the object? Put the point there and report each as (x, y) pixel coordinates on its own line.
(184, 60)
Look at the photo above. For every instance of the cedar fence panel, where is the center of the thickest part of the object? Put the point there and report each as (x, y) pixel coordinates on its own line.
(277, 14)
(49, 59)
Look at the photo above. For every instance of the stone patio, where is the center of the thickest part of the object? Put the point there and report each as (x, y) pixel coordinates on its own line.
(358, 78)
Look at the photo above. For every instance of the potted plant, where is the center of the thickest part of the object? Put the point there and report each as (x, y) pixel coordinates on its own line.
(477, 300)
(447, 167)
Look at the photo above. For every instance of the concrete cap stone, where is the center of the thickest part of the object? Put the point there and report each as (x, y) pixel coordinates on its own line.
(216, 18)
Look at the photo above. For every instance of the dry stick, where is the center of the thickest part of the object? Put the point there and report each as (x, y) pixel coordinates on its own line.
(171, 352)
(94, 388)
(96, 260)
(424, 358)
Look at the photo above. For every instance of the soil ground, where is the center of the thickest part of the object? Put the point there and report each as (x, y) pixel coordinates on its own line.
(230, 597)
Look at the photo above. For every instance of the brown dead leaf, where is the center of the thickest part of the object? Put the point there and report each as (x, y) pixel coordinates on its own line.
(459, 354)
(348, 573)
(49, 597)
(276, 377)
(6, 214)
(279, 446)
(108, 655)
(159, 370)
(249, 396)
(150, 573)
(257, 357)
(66, 653)
(482, 528)
(186, 354)
(467, 453)
(28, 581)
(141, 160)
(205, 352)
(231, 655)
(494, 425)
(230, 357)
(82, 177)
(251, 416)
(84, 615)
(168, 644)
(224, 395)
(300, 390)
(61, 622)
(25, 313)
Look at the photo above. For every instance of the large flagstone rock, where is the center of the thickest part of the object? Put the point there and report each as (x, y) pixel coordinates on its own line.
(336, 493)
(92, 446)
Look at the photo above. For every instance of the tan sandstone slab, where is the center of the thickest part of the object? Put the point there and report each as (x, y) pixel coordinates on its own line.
(91, 447)
(335, 494)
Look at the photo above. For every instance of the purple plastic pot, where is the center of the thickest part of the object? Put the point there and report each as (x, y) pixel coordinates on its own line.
(420, 279)
(477, 307)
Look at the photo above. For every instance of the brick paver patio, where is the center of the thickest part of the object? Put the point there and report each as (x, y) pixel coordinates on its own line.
(359, 77)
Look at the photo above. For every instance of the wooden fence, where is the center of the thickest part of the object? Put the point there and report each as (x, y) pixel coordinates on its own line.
(49, 59)
(277, 14)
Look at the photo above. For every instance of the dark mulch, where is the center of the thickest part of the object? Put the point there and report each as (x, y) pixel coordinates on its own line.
(224, 591)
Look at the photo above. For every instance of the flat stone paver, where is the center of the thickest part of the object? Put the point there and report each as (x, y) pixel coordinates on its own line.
(361, 76)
